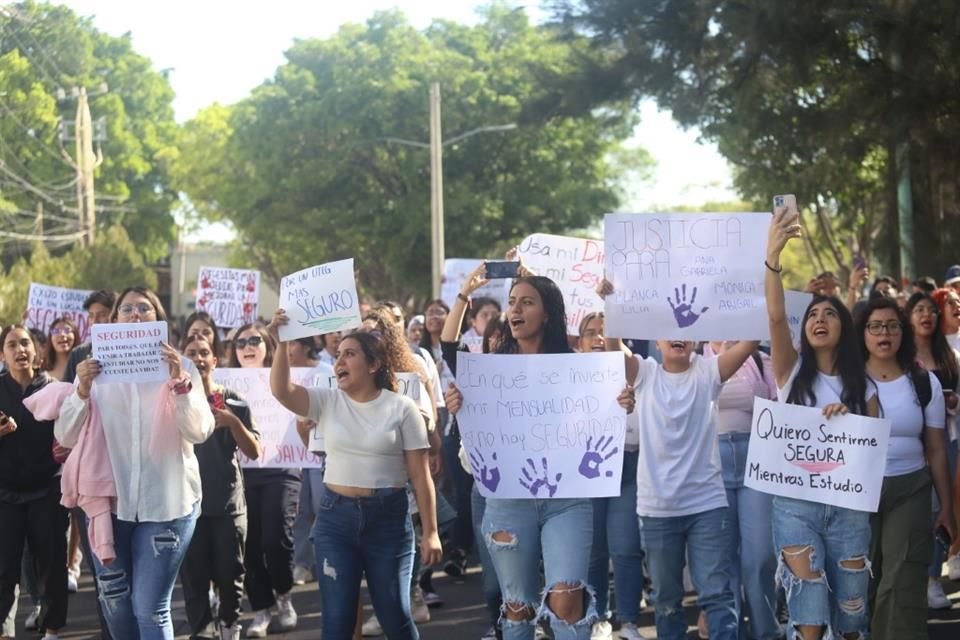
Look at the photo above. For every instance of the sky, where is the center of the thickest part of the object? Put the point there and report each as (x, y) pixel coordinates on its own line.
(219, 50)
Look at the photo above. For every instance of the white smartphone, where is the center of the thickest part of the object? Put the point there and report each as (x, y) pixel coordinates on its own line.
(787, 200)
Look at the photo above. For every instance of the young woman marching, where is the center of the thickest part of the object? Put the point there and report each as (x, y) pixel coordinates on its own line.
(216, 551)
(519, 533)
(818, 544)
(62, 338)
(375, 441)
(912, 399)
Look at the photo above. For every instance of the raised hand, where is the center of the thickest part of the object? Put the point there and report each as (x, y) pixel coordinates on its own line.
(785, 225)
(279, 319)
(596, 455)
(533, 480)
(683, 310)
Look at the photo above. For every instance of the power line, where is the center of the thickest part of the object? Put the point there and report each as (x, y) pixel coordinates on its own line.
(30, 134)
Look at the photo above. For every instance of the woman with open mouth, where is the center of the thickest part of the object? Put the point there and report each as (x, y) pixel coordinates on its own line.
(272, 499)
(61, 339)
(519, 533)
(30, 510)
(375, 441)
(912, 399)
(818, 544)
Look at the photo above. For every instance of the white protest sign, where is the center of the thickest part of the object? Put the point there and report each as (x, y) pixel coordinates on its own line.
(320, 299)
(796, 304)
(282, 446)
(130, 351)
(797, 453)
(686, 276)
(575, 264)
(46, 303)
(455, 273)
(228, 295)
(543, 426)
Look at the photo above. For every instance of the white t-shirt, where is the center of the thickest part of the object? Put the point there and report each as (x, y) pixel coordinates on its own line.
(827, 389)
(679, 469)
(365, 441)
(899, 403)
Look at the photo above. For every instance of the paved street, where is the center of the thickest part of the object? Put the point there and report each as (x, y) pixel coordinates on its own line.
(462, 617)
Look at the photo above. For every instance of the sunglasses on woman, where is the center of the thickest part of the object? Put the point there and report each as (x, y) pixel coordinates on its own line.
(253, 341)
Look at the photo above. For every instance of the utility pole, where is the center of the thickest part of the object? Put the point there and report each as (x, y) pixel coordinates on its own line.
(436, 189)
(85, 160)
(38, 223)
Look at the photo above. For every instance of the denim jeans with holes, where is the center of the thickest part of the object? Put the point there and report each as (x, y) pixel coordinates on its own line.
(837, 598)
(135, 588)
(561, 530)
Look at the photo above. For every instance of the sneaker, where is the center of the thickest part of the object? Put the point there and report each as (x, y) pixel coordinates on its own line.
(72, 585)
(431, 598)
(371, 628)
(261, 622)
(456, 566)
(302, 575)
(286, 615)
(629, 631)
(230, 633)
(601, 631)
(50, 636)
(418, 606)
(936, 598)
(30, 624)
(490, 634)
(953, 567)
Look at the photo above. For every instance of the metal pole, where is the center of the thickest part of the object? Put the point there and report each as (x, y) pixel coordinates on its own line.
(85, 135)
(436, 189)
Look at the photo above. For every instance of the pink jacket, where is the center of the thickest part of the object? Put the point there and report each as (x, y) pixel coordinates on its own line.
(87, 480)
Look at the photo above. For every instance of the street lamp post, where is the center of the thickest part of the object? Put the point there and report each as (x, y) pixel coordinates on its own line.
(436, 145)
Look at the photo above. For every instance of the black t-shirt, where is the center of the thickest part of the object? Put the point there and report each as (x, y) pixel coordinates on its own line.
(26, 455)
(220, 473)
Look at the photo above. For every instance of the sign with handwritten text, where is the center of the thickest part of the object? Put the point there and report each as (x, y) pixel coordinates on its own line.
(228, 295)
(575, 264)
(282, 446)
(796, 304)
(686, 276)
(320, 299)
(797, 453)
(46, 304)
(455, 273)
(130, 351)
(543, 426)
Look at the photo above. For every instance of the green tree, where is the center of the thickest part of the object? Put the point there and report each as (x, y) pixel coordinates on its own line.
(45, 48)
(305, 170)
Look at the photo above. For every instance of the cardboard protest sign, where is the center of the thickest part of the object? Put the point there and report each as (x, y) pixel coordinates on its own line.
(228, 295)
(320, 299)
(46, 304)
(575, 264)
(282, 446)
(457, 270)
(796, 303)
(686, 276)
(543, 426)
(797, 453)
(130, 351)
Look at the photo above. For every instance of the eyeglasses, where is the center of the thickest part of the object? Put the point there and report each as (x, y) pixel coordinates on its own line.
(142, 308)
(925, 311)
(436, 313)
(61, 331)
(253, 341)
(877, 328)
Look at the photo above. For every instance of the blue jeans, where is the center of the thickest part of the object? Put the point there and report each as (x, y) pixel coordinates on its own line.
(372, 536)
(306, 513)
(939, 551)
(704, 539)
(838, 598)
(559, 529)
(491, 587)
(135, 588)
(754, 564)
(616, 534)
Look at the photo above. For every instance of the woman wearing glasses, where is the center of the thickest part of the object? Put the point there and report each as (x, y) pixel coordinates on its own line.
(61, 339)
(912, 399)
(149, 428)
(272, 498)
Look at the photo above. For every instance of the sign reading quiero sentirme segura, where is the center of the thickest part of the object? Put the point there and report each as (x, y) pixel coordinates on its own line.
(797, 453)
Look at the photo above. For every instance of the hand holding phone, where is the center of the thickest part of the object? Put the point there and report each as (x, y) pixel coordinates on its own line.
(500, 269)
(787, 200)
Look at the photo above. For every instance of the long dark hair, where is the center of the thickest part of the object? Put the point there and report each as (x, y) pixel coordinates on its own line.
(33, 338)
(206, 318)
(943, 355)
(50, 353)
(907, 353)
(555, 329)
(846, 358)
(426, 341)
(374, 351)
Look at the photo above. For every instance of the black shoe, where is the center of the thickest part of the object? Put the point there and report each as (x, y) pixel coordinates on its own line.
(456, 566)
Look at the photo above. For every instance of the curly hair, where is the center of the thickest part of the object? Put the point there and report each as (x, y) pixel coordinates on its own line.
(374, 351)
(400, 358)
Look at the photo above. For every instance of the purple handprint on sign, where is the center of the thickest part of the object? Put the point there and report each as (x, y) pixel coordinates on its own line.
(487, 476)
(594, 456)
(534, 480)
(683, 310)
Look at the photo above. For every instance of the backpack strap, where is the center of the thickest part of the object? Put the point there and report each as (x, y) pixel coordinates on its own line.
(921, 384)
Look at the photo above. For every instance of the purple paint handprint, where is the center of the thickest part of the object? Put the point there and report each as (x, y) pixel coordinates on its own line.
(683, 310)
(534, 480)
(487, 476)
(596, 455)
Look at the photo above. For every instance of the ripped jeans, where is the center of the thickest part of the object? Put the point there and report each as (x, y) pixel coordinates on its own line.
(135, 588)
(837, 599)
(559, 529)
